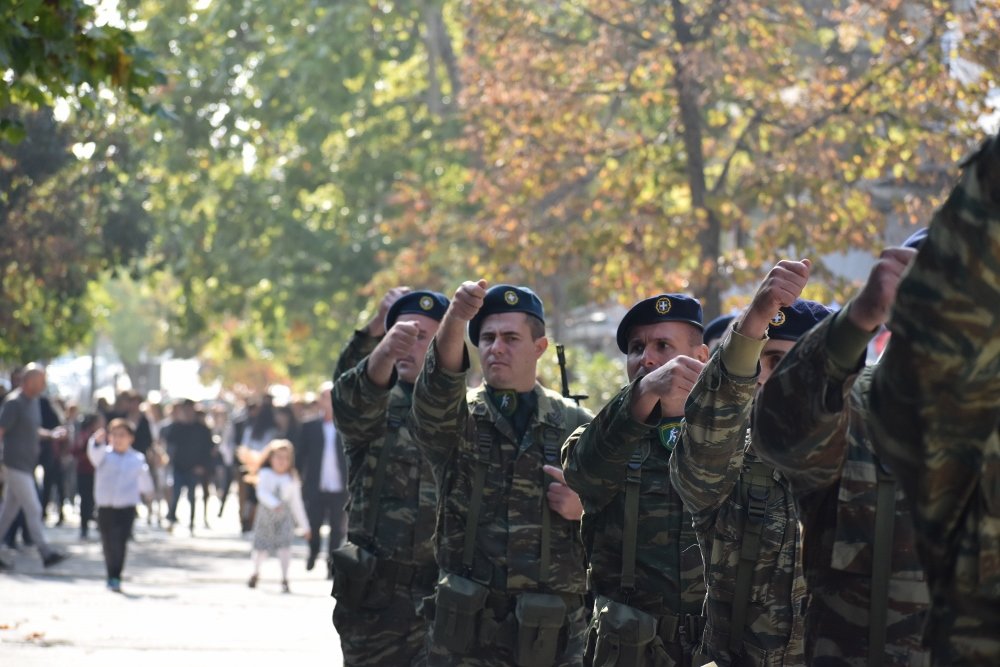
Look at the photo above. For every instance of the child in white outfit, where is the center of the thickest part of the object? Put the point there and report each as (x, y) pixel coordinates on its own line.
(280, 508)
(121, 481)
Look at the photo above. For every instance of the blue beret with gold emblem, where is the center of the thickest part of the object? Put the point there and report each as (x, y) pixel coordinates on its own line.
(506, 299)
(794, 321)
(661, 308)
(429, 304)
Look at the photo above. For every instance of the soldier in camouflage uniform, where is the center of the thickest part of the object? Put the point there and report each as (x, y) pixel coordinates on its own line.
(744, 511)
(936, 412)
(513, 575)
(388, 566)
(867, 591)
(645, 566)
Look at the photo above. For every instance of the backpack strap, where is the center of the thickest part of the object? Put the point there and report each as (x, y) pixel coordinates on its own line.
(484, 444)
(550, 450)
(885, 520)
(755, 486)
(630, 532)
(396, 415)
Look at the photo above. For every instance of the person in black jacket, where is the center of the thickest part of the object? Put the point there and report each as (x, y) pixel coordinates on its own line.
(323, 468)
(189, 444)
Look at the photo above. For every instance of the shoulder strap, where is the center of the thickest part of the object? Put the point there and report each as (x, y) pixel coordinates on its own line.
(885, 520)
(484, 444)
(755, 486)
(396, 414)
(630, 533)
(550, 450)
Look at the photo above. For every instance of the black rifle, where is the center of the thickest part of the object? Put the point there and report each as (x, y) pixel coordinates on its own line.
(561, 355)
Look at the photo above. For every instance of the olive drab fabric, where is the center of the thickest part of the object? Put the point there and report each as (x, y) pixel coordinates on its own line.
(936, 412)
(465, 438)
(811, 423)
(745, 518)
(396, 528)
(358, 347)
(668, 573)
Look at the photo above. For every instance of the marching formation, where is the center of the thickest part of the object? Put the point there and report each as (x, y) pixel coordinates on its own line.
(768, 500)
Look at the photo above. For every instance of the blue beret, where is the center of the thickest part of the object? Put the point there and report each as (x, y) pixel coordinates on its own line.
(506, 299)
(717, 327)
(429, 304)
(916, 239)
(794, 321)
(656, 309)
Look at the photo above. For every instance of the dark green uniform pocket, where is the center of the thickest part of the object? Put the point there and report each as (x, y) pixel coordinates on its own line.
(353, 568)
(622, 635)
(458, 605)
(540, 620)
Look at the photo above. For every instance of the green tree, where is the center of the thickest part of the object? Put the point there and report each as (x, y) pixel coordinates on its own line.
(70, 210)
(53, 49)
(272, 188)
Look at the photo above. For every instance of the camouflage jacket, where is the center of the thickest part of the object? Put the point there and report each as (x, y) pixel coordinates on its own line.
(668, 571)
(365, 413)
(447, 419)
(935, 404)
(819, 440)
(358, 347)
(713, 469)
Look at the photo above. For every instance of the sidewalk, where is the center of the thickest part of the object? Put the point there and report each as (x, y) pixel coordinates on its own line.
(185, 602)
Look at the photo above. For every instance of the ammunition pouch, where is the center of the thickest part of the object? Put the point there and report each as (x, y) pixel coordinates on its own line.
(354, 569)
(458, 607)
(540, 620)
(622, 636)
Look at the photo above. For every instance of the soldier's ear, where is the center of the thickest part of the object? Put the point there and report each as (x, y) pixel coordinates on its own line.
(702, 354)
(541, 344)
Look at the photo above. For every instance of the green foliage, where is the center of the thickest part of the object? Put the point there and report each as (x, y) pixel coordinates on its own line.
(64, 221)
(271, 188)
(54, 49)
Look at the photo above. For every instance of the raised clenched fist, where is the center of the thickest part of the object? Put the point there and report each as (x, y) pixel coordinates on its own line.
(468, 300)
(672, 382)
(870, 308)
(377, 326)
(780, 288)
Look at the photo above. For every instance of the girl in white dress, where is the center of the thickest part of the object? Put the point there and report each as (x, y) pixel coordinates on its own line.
(279, 495)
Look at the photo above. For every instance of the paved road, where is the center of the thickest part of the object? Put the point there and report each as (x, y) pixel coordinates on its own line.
(185, 604)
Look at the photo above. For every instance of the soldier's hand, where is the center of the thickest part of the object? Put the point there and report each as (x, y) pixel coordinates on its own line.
(399, 340)
(563, 500)
(672, 382)
(468, 300)
(870, 309)
(780, 288)
(377, 326)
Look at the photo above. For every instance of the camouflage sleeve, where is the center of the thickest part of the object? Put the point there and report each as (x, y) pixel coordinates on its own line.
(934, 395)
(359, 407)
(358, 347)
(707, 460)
(439, 409)
(594, 457)
(800, 421)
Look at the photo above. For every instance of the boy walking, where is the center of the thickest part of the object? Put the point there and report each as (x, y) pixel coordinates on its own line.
(121, 481)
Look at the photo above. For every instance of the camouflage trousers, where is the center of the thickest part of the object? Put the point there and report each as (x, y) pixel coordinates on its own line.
(836, 625)
(936, 414)
(390, 637)
(501, 656)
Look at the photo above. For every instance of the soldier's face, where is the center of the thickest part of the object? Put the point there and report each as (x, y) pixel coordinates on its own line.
(652, 345)
(772, 354)
(409, 366)
(508, 352)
